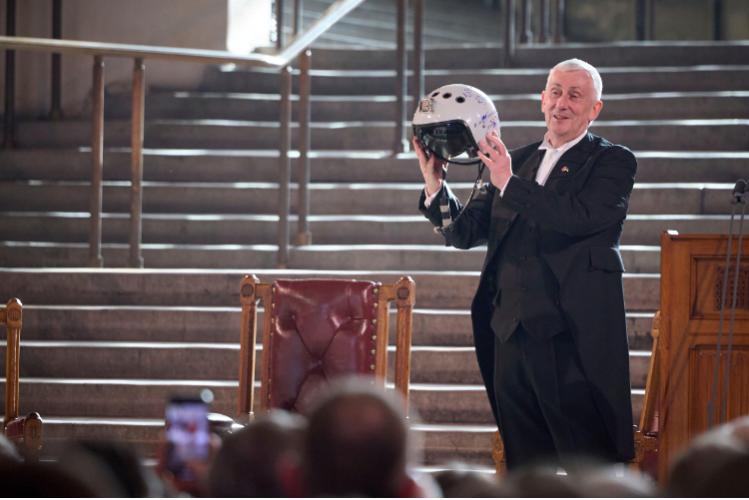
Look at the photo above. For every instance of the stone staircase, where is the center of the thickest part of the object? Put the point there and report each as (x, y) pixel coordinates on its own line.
(373, 23)
(102, 349)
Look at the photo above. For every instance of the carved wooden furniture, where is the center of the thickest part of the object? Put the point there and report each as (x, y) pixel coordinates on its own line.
(693, 359)
(646, 433)
(317, 329)
(25, 432)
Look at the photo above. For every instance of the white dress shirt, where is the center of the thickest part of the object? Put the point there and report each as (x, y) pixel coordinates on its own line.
(552, 155)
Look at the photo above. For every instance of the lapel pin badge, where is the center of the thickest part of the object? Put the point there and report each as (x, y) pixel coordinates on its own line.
(565, 169)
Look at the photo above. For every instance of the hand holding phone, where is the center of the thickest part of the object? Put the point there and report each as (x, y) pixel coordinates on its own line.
(187, 435)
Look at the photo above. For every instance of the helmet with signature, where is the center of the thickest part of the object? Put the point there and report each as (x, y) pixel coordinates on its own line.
(451, 120)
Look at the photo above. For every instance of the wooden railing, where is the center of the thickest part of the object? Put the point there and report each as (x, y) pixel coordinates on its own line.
(297, 47)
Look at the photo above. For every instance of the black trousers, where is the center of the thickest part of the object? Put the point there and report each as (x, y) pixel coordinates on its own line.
(545, 404)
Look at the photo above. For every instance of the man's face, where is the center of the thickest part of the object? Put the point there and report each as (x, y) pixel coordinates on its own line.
(569, 104)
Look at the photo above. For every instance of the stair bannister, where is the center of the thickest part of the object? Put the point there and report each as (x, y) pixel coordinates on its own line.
(279, 24)
(297, 16)
(9, 113)
(644, 20)
(418, 59)
(284, 168)
(139, 53)
(299, 47)
(559, 26)
(55, 111)
(544, 12)
(303, 236)
(508, 52)
(526, 23)
(401, 85)
(136, 162)
(97, 164)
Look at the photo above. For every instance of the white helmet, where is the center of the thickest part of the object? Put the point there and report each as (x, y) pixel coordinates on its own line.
(452, 119)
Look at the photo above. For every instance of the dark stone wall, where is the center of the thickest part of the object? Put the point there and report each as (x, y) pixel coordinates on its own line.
(614, 20)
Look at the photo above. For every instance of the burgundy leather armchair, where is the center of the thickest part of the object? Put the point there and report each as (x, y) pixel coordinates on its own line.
(315, 330)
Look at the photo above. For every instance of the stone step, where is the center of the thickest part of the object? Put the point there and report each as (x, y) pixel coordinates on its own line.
(194, 165)
(637, 258)
(442, 443)
(191, 287)
(431, 327)
(691, 77)
(511, 107)
(220, 361)
(325, 198)
(145, 398)
(716, 135)
(236, 229)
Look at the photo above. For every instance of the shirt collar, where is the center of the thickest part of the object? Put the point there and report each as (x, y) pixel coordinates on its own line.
(564, 147)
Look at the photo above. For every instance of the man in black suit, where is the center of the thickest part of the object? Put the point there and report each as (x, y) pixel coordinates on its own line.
(548, 315)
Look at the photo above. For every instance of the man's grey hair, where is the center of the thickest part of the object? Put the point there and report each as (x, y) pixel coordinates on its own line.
(580, 65)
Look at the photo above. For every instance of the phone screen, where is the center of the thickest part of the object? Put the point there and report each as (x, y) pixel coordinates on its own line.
(187, 434)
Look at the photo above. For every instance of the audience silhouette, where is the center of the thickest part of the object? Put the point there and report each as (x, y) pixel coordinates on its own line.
(357, 442)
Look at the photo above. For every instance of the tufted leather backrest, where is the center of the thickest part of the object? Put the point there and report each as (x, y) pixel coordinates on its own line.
(320, 329)
(315, 330)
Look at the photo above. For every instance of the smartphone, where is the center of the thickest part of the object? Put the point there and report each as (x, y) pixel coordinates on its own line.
(187, 434)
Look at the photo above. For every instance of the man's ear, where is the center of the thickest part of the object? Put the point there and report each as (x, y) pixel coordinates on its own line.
(543, 96)
(597, 107)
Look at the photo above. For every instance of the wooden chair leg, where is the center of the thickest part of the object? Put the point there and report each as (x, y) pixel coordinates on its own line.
(498, 454)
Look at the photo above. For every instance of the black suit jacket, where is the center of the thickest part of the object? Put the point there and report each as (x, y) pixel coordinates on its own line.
(580, 213)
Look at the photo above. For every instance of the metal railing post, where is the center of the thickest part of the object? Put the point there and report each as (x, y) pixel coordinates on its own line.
(97, 163)
(526, 24)
(279, 24)
(508, 54)
(418, 59)
(544, 12)
(559, 25)
(9, 113)
(136, 164)
(55, 112)
(401, 85)
(297, 16)
(303, 236)
(717, 19)
(644, 20)
(284, 168)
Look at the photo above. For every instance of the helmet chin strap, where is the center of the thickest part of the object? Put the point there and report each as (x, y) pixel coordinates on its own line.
(445, 202)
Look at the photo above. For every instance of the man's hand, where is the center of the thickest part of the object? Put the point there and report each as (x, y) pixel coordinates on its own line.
(493, 153)
(431, 169)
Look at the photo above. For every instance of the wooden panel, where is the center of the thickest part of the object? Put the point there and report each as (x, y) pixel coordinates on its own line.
(708, 274)
(692, 278)
(702, 378)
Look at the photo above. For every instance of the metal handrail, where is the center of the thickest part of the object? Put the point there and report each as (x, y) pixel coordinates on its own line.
(139, 53)
(107, 49)
(400, 144)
